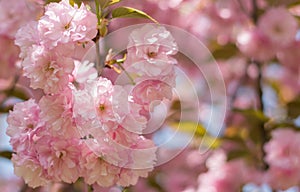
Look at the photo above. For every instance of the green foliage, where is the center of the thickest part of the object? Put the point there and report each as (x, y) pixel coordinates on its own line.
(293, 108)
(225, 52)
(253, 115)
(236, 154)
(52, 1)
(198, 131)
(255, 122)
(283, 2)
(129, 12)
(112, 2)
(106, 3)
(18, 93)
(6, 154)
(210, 141)
(189, 127)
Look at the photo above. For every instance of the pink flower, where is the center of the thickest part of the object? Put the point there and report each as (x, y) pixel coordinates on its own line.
(150, 91)
(99, 111)
(97, 171)
(282, 155)
(136, 118)
(57, 113)
(63, 23)
(178, 181)
(280, 33)
(158, 40)
(26, 37)
(290, 56)
(130, 176)
(80, 49)
(110, 106)
(60, 157)
(101, 92)
(281, 150)
(222, 176)
(84, 71)
(281, 178)
(149, 51)
(129, 113)
(22, 121)
(11, 184)
(30, 170)
(47, 70)
(143, 154)
(16, 13)
(159, 70)
(255, 44)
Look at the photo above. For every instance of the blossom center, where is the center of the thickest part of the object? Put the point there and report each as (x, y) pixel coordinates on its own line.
(67, 26)
(278, 29)
(101, 107)
(152, 54)
(49, 68)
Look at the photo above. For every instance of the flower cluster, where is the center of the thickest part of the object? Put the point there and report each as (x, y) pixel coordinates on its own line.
(150, 61)
(85, 126)
(51, 45)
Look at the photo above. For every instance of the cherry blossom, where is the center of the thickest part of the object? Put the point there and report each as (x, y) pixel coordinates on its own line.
(280, 33)
(282, 156)
(63, 23)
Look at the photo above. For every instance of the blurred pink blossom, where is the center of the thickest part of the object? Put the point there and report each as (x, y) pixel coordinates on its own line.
(280, 33)
(222, 176)
(282, 155)
(254, 43)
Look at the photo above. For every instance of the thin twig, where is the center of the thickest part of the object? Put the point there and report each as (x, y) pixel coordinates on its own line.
(263, 134)
(254, 11)
(99, 64)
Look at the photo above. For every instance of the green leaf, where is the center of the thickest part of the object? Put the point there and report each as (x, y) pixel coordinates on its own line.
(19, 93)
(189, 127)
(211, 142)
(225, 52)
(112, 2)
(283, 2)
(236, 139)
(129, 12)
(293, 108)
(6, 154)
(106, 3)
(236, 154)
(252, 114)
(52, 1)
(103, 3)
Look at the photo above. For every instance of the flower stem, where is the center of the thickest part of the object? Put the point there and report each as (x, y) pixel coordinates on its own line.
(128, 75)
(98, 12)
